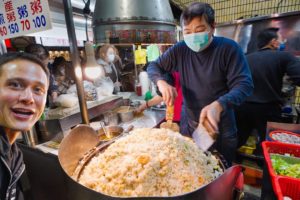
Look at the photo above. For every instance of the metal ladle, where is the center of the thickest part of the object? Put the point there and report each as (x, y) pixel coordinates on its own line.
(79, 146)
(106, 132)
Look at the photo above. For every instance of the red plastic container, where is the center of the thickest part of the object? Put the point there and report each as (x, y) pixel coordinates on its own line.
(280, 148)
(282, 131)
(287, 187)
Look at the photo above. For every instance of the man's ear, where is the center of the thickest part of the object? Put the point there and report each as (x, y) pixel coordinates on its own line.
(213, 25)
(273, 43)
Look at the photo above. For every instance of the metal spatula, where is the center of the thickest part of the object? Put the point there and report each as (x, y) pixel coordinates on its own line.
(204, 136)
(169, 120)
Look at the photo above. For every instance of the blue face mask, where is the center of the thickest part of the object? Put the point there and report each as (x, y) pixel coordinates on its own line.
(196, 41)
(281, 46)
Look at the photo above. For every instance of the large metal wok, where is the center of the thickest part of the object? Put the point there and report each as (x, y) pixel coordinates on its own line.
(80, 140)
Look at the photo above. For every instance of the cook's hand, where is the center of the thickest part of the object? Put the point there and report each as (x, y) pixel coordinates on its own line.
(212, 113)
(168, 92)
(141, 108)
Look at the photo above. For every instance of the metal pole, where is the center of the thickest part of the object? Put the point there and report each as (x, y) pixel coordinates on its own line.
(135, 67)
(75, 60)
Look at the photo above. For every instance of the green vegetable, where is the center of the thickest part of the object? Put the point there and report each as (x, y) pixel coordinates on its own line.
(285, 168)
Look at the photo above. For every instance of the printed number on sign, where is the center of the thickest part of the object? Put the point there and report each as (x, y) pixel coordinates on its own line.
(25, 24)
(13, 28)
(3, 31)
(39, 21)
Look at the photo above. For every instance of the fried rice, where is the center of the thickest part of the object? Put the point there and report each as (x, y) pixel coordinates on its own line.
(150, 162)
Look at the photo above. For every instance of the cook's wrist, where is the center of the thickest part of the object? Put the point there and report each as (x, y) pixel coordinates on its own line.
(147, 104)
(222, 106)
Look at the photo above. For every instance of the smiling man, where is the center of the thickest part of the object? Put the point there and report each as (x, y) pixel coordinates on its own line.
(214, 76)
(24, 81)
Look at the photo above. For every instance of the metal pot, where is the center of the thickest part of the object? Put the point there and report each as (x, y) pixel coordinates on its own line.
(125, 113)
(114, 131)
(221, 188)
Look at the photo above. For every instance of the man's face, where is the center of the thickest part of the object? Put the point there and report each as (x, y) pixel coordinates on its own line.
(277, 41)
(23, 91)
(197, 25)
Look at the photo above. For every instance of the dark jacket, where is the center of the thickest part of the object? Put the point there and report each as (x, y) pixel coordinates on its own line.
(11, 169)
(268, 68)
(220, 72)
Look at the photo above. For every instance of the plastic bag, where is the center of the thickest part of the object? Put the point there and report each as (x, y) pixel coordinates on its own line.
(89, 90)
(104, 87)
(66, 100)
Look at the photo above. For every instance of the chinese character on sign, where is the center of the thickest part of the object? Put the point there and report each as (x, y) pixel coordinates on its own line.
(36, 7)
(22, 11)
(2, 21)
(8, 6)
(11, 16)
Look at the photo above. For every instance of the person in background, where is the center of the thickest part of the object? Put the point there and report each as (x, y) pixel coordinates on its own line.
(108, 57)
(268, 65)
(174, 81)
(24, 80)
(42, 53)
(63, 77)
(214, 76)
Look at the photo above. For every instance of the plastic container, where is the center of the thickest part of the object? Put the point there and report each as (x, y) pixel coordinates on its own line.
(246, 150)
(144, 81)
(138, 89)
(272, 133)
(279, 148)
(286, 187)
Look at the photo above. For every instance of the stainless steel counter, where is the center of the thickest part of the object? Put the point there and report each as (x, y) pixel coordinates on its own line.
(60, 120)
(149, 119)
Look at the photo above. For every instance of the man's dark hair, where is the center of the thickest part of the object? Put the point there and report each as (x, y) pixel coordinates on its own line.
(9, 57)
(57, 64)
(38, 50)
(265, 36)
(198, 9)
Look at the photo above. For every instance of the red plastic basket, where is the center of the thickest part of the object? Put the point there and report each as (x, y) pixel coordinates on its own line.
(279, 148)
(287, 187)
(282, 131)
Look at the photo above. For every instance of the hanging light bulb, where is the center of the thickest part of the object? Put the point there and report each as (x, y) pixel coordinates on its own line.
(92, 70)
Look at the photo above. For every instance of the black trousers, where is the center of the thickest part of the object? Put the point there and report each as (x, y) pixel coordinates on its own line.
(254, 116)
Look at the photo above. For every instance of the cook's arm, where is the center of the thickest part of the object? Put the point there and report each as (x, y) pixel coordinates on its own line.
(239, 79)
(156, 70)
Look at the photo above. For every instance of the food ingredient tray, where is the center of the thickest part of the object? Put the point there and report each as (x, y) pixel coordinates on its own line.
(279, 148)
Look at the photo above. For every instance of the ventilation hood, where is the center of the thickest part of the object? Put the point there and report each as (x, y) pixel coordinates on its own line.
(133, 21)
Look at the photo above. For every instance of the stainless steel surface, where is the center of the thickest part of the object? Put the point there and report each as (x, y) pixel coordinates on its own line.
(123, 10)
(202, 138)
(111, 118)
(113, 131)
(73, 147)
(125, 113)
(68, 118)
(204, 135)
(245, 31)
(75, 60)
(115, 15)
